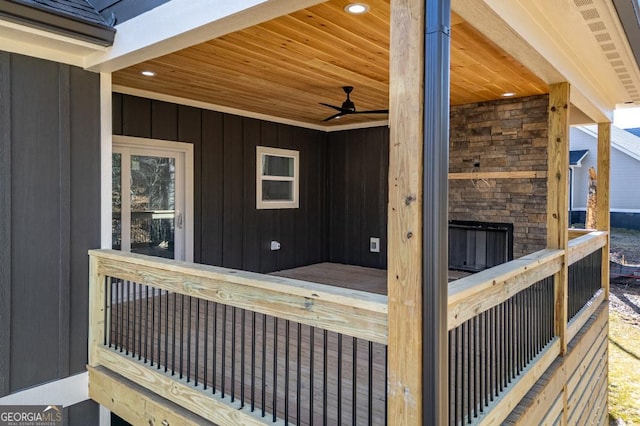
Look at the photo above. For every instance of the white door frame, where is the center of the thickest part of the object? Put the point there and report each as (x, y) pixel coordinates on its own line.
(184, 183)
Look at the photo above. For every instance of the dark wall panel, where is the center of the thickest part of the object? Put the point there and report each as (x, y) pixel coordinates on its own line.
(231, 232)
(358, 177)
(85, 204)
(5, 221)
(36, 205)
(51, 185)
(212, 185)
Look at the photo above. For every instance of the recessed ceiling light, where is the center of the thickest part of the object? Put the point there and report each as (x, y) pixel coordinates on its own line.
(356, 8)
(148, 73)
(508, 94)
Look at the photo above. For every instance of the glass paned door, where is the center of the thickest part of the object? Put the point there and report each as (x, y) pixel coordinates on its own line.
(149, 201)
(153, 206)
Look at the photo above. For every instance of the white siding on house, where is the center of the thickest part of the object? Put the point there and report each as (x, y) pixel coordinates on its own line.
(625, 168)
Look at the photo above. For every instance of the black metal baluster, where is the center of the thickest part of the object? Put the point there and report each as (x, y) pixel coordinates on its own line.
(223, 355)
(253, 361)
(197, 348)
(153, 324)
(233, 354)
(206, 344)
(264, 363)
(339, 379)
(189, 332)
(298, 373)
(354, 382)
(135, 322)
(242, 352)
(110, 284)
(118, 338)
(173, 334)
(214, 366)
(456, 373)
(146, 323)
(166, 332)
(159, 326)
(386, 380)
(275, 367)
(312, 351)
(325, 389)
(181, 334)
(370, 387)
(128, 318)
(286, 372)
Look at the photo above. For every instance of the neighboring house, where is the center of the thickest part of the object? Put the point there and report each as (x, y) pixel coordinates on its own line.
(239, 109)
(625, 173)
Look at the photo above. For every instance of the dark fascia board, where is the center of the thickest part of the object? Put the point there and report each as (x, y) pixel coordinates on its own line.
(629, 14)
(45, 19)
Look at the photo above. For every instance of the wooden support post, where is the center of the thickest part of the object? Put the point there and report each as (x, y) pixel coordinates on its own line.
(97, 309)
(557, 196)
(603, 218)
(404, 273)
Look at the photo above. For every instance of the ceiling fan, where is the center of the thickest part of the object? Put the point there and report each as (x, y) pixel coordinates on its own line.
(348, 107)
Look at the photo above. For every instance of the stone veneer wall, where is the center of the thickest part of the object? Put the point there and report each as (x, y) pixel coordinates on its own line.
(504, 135)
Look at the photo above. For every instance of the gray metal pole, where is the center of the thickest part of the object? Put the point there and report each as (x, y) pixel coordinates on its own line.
(435, 212)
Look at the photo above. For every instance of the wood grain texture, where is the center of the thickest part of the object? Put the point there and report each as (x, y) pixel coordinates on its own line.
(349, 312)
(583, 246)
(286, 66)
(478, 292)
(542, 402)
(603, 195)
(519, 389)
(134, 403)
(5, 222)
(499, 175)
(404, 227)
(557, 197)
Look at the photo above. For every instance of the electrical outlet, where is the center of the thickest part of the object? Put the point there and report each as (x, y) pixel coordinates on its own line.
(374, 245)
(275, 245)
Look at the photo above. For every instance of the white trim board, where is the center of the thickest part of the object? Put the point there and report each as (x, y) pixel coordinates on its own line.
(66, 392)
(227, 110)
(106, 143)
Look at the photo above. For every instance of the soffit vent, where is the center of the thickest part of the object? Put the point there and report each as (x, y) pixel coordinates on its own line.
(610, 48)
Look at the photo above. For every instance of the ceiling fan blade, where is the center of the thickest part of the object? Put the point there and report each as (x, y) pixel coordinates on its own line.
(332, 106)
(338, 115)
(372, 111)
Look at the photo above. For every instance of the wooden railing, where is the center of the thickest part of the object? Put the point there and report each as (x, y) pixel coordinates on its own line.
(503, 326)
(236, 347)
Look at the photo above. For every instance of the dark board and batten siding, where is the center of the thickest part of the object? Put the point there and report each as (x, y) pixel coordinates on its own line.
(358, 164)
(50, 215)
(229, 231)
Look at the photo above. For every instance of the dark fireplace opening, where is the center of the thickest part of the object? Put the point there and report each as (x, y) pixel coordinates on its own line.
(475, 246)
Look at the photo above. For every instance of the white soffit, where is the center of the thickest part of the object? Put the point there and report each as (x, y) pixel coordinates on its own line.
(178, 24)
(583, 40)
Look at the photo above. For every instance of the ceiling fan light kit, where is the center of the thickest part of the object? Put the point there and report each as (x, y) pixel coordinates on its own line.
(348, 107)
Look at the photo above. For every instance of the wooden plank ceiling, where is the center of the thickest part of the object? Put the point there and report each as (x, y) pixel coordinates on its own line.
(287, 66)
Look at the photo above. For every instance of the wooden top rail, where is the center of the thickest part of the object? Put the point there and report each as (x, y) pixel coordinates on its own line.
(578, 232)
(477, 293)
(583, 246)
(350, 312)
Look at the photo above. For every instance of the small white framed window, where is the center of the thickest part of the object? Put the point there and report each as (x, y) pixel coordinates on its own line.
(277, 178)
